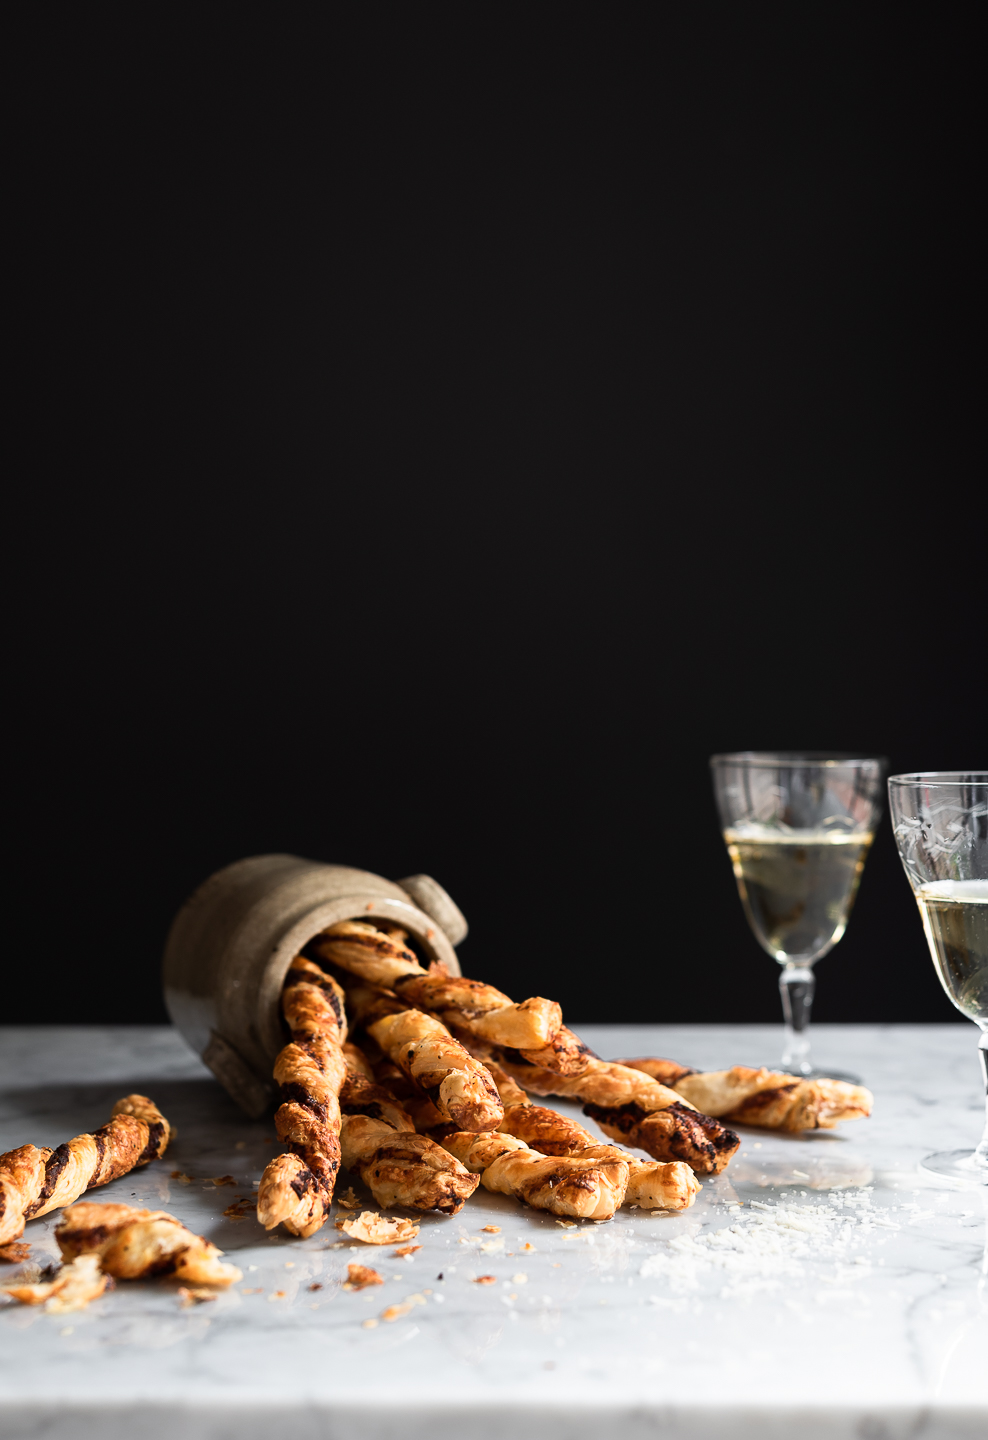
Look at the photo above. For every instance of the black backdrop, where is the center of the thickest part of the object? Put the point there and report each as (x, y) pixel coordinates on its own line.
(439, 432)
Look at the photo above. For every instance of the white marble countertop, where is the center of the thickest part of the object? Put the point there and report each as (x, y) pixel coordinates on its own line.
(875, 1323)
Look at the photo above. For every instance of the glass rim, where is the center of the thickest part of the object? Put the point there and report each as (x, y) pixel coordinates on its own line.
(776, 758)
(941, 777)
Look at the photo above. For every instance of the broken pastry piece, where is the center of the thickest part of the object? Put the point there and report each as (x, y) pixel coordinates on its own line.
(73, 1288)
(563, 1185)
(133, 1244)
(296, 1189)
(378, 1229)
(35, 1180)
(767, 1098)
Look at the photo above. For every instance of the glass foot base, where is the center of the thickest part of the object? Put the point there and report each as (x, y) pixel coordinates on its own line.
(957, 1165)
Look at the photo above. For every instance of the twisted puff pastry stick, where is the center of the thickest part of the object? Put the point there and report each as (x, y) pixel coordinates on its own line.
(651, 1184)
(630, 1106)
(35, 1180)
(587, 1189)
(136, 1244)
(532, 1031)
(457, 1084)
(769, 1098)
(296, 1188)
(379, 956)
(380, 1146)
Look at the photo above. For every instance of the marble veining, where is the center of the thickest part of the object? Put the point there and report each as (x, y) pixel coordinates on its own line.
(819, 1288)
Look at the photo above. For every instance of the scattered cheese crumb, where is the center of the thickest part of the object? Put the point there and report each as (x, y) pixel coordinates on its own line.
(486, 1280)
(395, 1312)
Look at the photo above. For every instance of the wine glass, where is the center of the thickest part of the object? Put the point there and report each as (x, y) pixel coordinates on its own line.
(941, 828)
(798, 828)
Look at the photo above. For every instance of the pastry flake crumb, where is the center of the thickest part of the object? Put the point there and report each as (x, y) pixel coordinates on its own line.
(316, 1285)
(219, 1180)
(567, 1224)
(277, 1295)
(395, 1312)
(377, 1229)
(358, 1277)
(368, 1324)
(240, 1209)
(490, 1229)
(14, 1252)
(182, 1178)
(486, 1280)
(253, 1290)
(348, 1201)
(73, 1288)
(404, 1251)
(194, 1295)
(527, 1246)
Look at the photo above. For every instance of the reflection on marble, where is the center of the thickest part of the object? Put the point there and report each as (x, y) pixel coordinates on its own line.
(870, 1320)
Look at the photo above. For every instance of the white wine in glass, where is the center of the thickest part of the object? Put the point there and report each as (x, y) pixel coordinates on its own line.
(798, 828)
(941, 829)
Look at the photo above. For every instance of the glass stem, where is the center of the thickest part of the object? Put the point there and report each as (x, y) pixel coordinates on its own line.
(981, 1154)
(796, 986)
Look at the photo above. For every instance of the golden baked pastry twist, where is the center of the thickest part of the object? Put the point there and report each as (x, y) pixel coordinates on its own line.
(380, 956)
(439, 1067)
(629, 1105)
(380, 1146)
(652, 1184)
(136, 1244)
(458, 1085)
(581, 1188)
(768, 1098)
(296, 1188)
(35, 1180)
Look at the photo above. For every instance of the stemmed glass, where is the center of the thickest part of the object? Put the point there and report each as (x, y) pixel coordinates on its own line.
(941, 829)
(798, 828)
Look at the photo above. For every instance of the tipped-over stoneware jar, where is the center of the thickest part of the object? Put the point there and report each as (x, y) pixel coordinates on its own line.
(232, 942)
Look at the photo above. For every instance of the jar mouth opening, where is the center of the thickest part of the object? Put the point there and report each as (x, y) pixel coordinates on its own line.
(774, 759)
